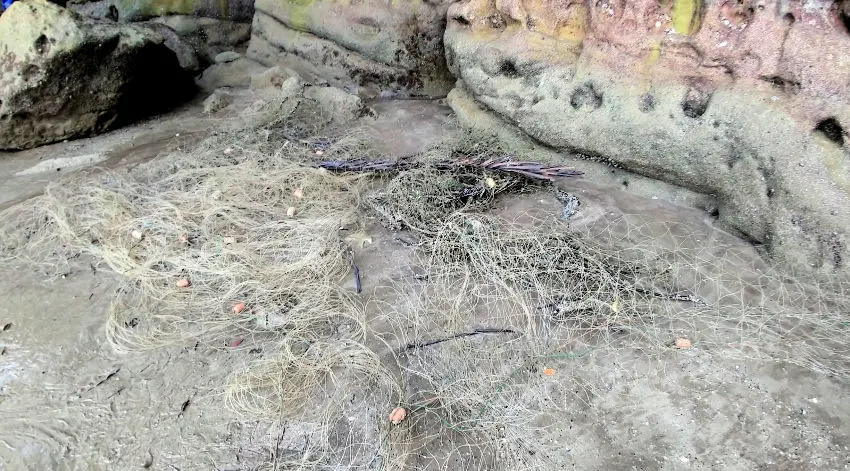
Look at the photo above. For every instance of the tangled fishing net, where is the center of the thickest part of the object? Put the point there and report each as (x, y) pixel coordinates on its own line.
(251, 234)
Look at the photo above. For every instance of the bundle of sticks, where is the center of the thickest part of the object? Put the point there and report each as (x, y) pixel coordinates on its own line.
(505, 164)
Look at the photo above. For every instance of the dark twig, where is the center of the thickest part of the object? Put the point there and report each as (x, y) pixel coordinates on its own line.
(108, 377)
(357, 285)
(363, 165)
(412, 346)
(405, 242)
(531, 170)
(682, 296)
(506, 164)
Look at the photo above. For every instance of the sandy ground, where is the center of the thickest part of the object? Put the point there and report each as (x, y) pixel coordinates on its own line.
(69, 402)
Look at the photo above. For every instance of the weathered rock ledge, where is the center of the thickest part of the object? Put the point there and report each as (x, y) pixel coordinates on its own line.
(63, 76)
(746, 101)
(375, 48)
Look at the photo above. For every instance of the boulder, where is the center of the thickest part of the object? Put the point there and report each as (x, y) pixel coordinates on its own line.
(337, 105)
(390, 48)
(218, 100)
(138, 10)
(747, 102)
(234, 74)
(227, 56)
(273, 77)
(66, 77)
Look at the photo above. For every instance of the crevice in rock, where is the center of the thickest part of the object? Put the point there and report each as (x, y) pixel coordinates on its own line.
(112, 13)
(714, 213)
(695, 103)
(461, 20)
(41, 44)
(508, 68)
(785, 84)
(844, 13)
(831, 128)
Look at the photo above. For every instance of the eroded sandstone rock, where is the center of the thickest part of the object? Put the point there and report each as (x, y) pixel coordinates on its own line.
(209, 36)
(394, 48)
(236, 74)
(63, 76)
(185, 52)
(138, 10)
(747, 101)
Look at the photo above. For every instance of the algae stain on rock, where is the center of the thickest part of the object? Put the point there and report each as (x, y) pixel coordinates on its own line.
(574, 29)
(652, 58)
(687, 16)
(300, 14)
(158, 7)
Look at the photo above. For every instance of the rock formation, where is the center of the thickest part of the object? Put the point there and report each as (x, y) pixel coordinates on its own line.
(208, 36)
(373, 46)
(743, 100)
(747, 101)
(138, 10)
(65, 77)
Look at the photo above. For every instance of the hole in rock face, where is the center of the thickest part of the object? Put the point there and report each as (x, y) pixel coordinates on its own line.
(695, 103)
(789, 19)
(844, 13)
(41, 44)
(646, 103)
(784, 84)
(508, 68)
(831, 128)
(460, 19)
(586, 96)
(112, 14)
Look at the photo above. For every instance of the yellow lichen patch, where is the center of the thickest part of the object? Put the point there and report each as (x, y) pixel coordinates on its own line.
(687, 16)
(170, 7)
(648, 66)
(300, 12)
(545, 48)
(574, 28)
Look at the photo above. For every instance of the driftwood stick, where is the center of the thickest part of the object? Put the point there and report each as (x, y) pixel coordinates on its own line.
(412, 346)
(530, 170)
